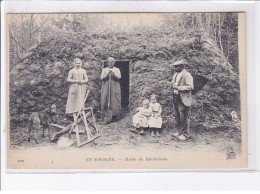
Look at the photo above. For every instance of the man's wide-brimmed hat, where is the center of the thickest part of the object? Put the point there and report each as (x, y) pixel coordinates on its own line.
(180, 62)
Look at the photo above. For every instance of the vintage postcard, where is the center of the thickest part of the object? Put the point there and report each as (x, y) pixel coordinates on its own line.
(100, 91)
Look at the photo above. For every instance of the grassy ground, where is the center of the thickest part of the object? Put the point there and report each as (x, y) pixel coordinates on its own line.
(118, 134)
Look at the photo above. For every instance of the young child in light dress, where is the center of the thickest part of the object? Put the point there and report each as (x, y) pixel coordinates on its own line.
(140, 119)
(155, 121)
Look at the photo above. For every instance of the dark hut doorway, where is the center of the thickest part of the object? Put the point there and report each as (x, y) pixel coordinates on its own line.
(123, 65)
(124, 82)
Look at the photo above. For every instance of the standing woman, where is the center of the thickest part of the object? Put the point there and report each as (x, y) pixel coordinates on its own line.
(110, 77)
(77, 78)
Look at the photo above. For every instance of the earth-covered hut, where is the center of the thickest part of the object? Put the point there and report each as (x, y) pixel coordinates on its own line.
(39, 79)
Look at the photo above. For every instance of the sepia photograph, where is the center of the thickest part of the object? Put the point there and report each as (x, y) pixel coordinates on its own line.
(126, 90)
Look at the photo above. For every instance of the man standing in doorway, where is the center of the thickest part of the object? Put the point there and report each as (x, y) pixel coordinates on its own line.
(182, 85)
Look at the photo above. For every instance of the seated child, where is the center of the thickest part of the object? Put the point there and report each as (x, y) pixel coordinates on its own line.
(155, 121)
(140, 119)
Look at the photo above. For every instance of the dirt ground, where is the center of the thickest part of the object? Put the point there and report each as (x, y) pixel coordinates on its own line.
(118, 134)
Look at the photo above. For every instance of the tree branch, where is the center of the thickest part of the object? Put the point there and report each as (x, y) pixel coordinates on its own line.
(12, 36)
(40, 26)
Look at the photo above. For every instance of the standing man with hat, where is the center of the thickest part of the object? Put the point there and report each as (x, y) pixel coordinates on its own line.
(182, 85)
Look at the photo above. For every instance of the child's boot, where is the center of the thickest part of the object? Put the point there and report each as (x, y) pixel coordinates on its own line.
(152, 132)
(158, 133)
(142, 131)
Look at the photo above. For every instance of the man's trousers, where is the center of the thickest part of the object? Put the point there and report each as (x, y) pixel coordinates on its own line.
(181, 115)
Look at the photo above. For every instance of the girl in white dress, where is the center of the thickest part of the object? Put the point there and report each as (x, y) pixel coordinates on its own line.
(155, 121)
(140, 119)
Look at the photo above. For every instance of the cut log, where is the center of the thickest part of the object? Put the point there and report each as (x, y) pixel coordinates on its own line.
(57, 126)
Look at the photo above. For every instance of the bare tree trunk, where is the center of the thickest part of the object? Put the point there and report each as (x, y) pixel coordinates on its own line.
(178, 21)
(228, 44)
(18, 51)
(192, 20)
(39, 39)
(214, 27)
(208, 24)
(30, 30)
(199, 20)
(219, 32)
